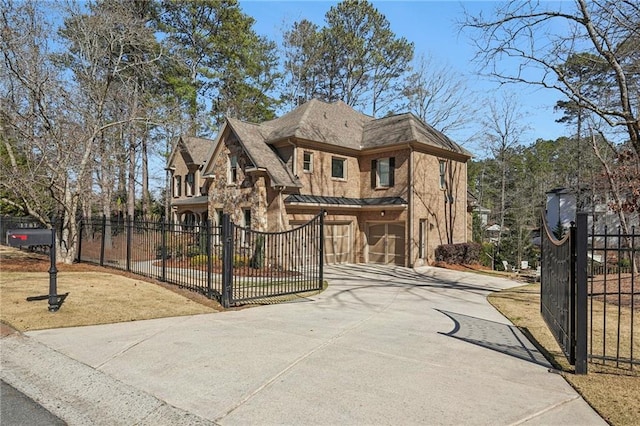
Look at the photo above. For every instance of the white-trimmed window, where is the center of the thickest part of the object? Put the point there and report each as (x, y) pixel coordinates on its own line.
(338, 168)
(233, 169)
(382, 172)
(246, 238)
(177, 186)
(189, 183)
(307, 162)
(443, 172)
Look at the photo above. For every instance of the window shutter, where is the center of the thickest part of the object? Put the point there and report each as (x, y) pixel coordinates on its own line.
(392, 171)
(374, 170)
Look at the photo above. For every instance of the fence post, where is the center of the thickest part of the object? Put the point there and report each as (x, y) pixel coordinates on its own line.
(581, 296)
(104, 237)
(227, 260)
(129, 236)
(572, 294)
(321, 254)
(207, 230)
(80, 232)
(163, 249)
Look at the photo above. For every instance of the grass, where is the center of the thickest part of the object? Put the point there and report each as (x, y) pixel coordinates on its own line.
(94, 298)
(613, 392)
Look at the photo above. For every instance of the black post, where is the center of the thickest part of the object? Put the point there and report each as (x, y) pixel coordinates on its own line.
(54, 301)
(163, 249)
(207, 229)
(104, 237)
(321, 258)
(80, 232)
(227, 260)
(129, 223)
(572, 296)
(581, 296)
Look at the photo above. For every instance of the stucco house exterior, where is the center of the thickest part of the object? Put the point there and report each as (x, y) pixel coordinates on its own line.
(392, 188)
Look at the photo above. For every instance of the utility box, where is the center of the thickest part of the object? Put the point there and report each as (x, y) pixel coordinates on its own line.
(30, 237)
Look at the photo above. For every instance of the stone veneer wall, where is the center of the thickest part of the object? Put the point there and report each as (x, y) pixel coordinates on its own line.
(250, 191)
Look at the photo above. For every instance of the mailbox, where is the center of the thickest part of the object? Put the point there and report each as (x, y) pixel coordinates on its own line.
(40, 237)
(30, 237)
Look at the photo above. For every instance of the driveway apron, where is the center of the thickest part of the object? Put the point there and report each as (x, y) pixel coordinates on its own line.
(382, 345)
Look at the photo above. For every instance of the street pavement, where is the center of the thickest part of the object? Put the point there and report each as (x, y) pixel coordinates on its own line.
(382, 345)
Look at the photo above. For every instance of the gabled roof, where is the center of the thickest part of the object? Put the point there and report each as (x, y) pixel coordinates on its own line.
(194, 150)
(261, 155)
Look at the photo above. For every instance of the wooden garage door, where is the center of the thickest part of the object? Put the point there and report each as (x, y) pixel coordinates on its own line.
(386, 243)
(337, 243)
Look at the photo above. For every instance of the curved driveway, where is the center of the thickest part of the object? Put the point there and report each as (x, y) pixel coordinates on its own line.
(381, 345)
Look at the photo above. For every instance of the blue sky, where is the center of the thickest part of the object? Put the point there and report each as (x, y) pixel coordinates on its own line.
(430, 25)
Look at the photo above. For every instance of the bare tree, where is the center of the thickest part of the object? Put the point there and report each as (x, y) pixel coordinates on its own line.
(503, 128)
(439, 96)
(524, 33)
(57, 110)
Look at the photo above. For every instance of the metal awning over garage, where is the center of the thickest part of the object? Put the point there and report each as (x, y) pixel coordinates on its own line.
(345, 202)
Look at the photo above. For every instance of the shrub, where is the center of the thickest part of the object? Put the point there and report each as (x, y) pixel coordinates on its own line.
(257, 260)
(486, 254)
(198, 260)
(239, 260)
(460, 254)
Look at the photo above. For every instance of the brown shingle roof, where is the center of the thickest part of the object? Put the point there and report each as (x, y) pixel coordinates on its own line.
(331, 123)
(261, 155)
(194, 150)
(404, 128)
(198, 148)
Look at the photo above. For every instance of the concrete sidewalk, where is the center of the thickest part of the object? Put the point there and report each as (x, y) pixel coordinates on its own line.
(381, 345)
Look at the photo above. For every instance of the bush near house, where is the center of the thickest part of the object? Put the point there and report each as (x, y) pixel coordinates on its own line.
(459, 254)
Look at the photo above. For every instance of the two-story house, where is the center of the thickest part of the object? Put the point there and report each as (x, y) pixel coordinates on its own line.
(393, 188)
(189, 202)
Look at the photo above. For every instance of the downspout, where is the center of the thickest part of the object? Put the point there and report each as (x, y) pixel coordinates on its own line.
(281, 212)
(411, 209)
(466, 206)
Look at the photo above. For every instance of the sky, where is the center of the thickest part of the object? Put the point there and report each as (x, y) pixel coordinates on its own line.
(431, 26)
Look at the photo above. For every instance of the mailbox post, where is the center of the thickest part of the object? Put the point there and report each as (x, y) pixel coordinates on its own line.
(40, 237)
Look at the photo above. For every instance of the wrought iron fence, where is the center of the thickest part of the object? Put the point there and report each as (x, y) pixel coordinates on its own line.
(614, 297)
(231, 264)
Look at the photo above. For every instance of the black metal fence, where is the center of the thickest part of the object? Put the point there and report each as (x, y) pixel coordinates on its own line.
(563, 302)
(589, 294)
(614, 297)
(229, 263)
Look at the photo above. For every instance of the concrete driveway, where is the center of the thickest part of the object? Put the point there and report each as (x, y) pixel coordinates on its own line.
(382, 345)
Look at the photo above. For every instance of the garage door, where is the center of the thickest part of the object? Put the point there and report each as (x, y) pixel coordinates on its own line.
(337, 243)
(386, 243)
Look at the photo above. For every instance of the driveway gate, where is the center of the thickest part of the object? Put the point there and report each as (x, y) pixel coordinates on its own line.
(229, 263)
(258, 265)
(563, 291)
